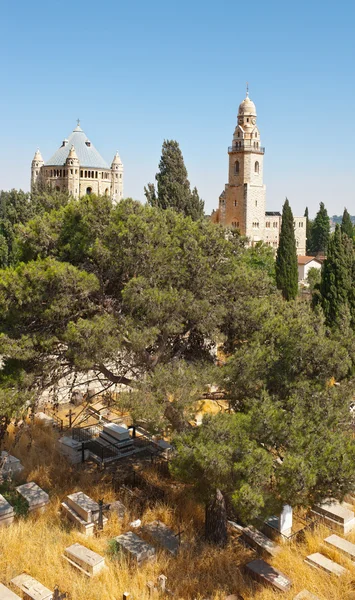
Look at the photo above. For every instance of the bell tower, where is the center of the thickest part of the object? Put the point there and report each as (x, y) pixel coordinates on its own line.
(242, 203)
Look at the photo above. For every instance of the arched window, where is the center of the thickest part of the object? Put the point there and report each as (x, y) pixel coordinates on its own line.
(88, 191)
(236, 166)
(106, 192)
(256, 167)
(256, 135)
(238, 134)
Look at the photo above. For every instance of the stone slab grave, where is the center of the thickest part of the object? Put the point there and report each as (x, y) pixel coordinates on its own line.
(320, 561)
(163, 536)
(283, 521)
(134, 547)
(35, 496)
(337, 515)
(257, 540)
(71, 449)
(338, 543)
(264, 573)
(6, 594)
(31, 588)
(83, 511)
(85, 560)
(9, 464)
(116, 435)
(7, 513)
(45, 419)
(306, 595)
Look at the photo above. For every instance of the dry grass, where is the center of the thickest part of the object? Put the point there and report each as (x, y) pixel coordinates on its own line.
(35, 544)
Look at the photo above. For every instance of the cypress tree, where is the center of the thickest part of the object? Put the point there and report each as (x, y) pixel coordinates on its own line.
(286, 257)
(173, 186)
(308, 232)
(320, 231)
(336, 282)
(346, 224)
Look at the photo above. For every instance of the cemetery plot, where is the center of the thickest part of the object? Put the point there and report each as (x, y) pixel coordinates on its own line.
(31, 588)
(72, 450)
(257, 540)
(9, 465)
(282, 522)
(338, 543)
(163, 536)
(264, 573)
(6, 594)
(85, 560)
(134, 547)
(7, 513)
(320, 561)
(83, 511)
(336, 515)
(306, 595)
(34, 495)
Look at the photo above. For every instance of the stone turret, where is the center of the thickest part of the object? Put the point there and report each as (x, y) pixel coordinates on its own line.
(117, 178)
(37, 164)
(73, 169)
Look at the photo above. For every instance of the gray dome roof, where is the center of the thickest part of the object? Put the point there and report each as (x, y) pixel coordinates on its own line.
(88, 155)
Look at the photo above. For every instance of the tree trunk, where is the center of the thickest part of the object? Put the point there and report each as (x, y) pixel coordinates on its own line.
(216, 520)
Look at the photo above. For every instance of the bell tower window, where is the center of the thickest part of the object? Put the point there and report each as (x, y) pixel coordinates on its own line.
(256, 167)
(236, 166)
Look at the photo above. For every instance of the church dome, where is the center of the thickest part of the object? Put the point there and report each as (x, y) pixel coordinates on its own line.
(247, 107)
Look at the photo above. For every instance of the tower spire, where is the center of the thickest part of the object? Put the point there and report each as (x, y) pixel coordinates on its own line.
(247, 90)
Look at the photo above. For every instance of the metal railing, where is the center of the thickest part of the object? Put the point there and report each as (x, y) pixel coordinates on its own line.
(245, 148)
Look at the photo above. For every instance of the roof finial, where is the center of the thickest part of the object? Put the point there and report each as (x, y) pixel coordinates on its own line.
(247, 90)
(78, 122)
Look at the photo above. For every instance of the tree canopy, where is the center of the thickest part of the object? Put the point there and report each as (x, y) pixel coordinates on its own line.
(173, 186)
(286, 256)
(320, 231)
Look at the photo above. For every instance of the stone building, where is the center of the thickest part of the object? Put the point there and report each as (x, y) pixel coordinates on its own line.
(242, 202)
(78, 168)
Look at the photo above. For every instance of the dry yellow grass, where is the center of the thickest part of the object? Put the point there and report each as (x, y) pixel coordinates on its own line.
(35, 544)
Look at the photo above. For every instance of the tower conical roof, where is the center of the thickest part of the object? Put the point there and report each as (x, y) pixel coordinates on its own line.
(117, 160)
(247, 107)
(38, 156)
(86, 152)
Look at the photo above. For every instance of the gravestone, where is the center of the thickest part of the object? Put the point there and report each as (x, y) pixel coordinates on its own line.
(337, 515)
(264, 573)
(117, 508)
(31, 588)
(306, 595)
(72, 450)
(282, 522)
(338, 543)
(9, 465)
(257, 540)
(85, 560)
(34, 495)
(7, 513)
(134, 547)
(45, 419)
(6, 594)
(320, 561)
(163, 536)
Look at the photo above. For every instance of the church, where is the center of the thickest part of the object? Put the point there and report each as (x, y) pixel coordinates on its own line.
(79, 169)
(242, 202)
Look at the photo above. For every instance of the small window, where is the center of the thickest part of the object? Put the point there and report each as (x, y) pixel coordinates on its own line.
(71, 171)
(57, 189)
(88, 191)
(96, 174)
(238, 134)
(81, 174)
(106, 192)
(248, 120)
(92, 174)
(236, 166)
(235, 203)
(256, 135)
(51, 172)
(256, 167)
(86, 173)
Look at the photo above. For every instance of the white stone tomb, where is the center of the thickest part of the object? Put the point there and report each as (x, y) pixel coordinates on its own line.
(35, 496)
(85, 560)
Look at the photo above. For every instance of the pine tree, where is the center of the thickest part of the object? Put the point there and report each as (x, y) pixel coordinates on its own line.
(173, 186)
(346, 225)
(320, 231)
(308, 232)
(336, 282)
(286, 257)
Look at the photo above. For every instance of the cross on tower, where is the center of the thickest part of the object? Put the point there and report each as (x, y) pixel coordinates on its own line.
(247, 90)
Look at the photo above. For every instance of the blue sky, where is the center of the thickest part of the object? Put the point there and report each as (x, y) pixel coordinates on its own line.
(137, 73)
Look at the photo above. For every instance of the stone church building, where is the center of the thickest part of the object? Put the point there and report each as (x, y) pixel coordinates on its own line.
(78, 168)
(242, 203)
